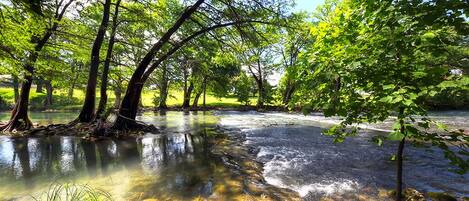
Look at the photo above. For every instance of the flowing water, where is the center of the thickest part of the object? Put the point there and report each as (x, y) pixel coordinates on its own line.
(178, 164)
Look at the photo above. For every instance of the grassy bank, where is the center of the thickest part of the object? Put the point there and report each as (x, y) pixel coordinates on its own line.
(62, 102)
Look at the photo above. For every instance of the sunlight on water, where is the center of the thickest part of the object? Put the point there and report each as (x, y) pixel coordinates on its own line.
(179, 165)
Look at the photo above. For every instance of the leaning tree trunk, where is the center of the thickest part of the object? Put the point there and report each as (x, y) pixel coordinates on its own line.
(87, 111)
(128, 109)
(104, 77)
(129, 106)
(49, 90)
(195, 103)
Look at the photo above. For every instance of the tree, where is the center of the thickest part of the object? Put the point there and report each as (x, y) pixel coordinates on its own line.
(243, 88)
(107, 62)
(372, 60)
(259, 61)
(42, 32)
(291, 46)
(129, 105)
(87, 113)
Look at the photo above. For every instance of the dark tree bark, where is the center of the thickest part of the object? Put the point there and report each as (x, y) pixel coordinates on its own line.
(195, 103)
(163, 89)
(129, 105)
(16, 87)
(400, 154)
(104, 77)
(87, 112)
(39, 84)
(19, 118)
(49, 91)
(187, 95)
(259, 82)
(74, 82)
(260, 90)
(205, 91)
(289, 89)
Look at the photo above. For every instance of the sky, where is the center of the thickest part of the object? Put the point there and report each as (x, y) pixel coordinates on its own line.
(307, 5)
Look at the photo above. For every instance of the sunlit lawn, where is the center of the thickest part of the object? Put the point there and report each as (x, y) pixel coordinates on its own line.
(62, 102)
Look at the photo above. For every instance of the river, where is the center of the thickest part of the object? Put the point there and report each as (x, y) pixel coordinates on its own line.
(178, 165)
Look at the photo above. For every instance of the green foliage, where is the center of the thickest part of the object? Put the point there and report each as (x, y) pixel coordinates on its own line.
(243, 88)
(373, 60)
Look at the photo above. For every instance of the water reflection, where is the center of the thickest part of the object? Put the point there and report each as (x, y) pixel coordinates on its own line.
(179, 160)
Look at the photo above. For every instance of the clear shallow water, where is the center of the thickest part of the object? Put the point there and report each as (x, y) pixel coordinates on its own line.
(297, 156)
(178, 165)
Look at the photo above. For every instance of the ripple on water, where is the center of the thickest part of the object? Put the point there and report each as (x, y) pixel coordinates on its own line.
(297, 156)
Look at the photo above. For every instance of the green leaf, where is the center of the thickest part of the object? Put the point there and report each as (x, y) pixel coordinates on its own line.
(389, 86)
(395, 136)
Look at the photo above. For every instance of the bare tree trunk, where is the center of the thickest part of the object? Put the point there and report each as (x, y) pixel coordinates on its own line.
(204, 101)
(87, 112)
(39, 83)
(400, 154)
(16, 88)
(289, 89)
(195, 103)
(49, 90)
(260, 90)
(163, 90)
(187, 96)
(118, 94)
(104, 77)
(74, 82)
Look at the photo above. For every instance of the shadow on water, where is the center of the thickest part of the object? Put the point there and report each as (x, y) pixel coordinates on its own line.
(178, 164)
(175, 164)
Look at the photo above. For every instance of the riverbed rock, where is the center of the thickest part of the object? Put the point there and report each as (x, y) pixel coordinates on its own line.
(439, 196)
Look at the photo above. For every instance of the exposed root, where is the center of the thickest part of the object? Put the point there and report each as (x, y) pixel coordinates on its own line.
(125, 125)
(17, 124)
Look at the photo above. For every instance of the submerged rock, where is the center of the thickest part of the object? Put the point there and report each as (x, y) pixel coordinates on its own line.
(439, 196)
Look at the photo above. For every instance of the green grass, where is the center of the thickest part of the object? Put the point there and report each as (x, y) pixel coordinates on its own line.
(72, 192)
(62, 102)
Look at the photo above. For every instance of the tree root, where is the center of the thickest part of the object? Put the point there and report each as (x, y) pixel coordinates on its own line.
(17, 124)
(123, 125)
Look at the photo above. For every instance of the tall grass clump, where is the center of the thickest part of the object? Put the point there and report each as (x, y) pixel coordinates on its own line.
(73, 192)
